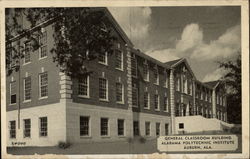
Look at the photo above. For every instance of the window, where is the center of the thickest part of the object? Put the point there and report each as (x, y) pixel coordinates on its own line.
(178, 85)
(103, 58)
(27, 88)
(27, 51)
(157, 129)
(185, 84)
(12, 129)
(145, 72)
(156, 102)
(104, 126)
(27, 127)
(190, 87)
(133, 66)
(43, 45)
(84, 126)
(147, 128)
(119, 92)
(134, 94)
(43, 77)
(166, 104)
(166, 81)
(136, 128)
(43, 126)
(156, 76)
(146, 100)
(83, 87)
(120, 126)
(166, 129)
(119, 60)
(103, 89)
(181, 125)
(13, 92)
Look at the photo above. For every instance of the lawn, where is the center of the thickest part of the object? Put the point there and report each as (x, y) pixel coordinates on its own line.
(118, 147)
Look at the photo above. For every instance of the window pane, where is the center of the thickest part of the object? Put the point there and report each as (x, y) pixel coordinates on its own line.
(27, 127)
(119, 60)
(104, 126)
(43, 126)
(119, 92)
(103, 88)
(146, 100)
(83, 86)
(157, 128)
(44, 84)
(13, 92)
(133, 66)
(134, 94)
(120, 127)
(27, 88)
(136, 128)
(12, 129)
(147, 128)
(84, 126)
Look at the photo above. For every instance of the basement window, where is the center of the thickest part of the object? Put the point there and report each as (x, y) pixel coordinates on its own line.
(181, 125)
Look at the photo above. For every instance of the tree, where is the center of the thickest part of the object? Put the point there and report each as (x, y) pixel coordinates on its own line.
(80, 34)
(232, 79)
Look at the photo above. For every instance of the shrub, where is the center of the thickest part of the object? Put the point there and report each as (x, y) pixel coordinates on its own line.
(236, 130)
(63, 144)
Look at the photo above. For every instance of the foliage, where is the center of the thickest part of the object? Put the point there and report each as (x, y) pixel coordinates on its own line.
(232, 79)
(80, 34)
(64, 145)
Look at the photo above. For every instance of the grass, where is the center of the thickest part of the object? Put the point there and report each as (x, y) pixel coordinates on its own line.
(132, 146)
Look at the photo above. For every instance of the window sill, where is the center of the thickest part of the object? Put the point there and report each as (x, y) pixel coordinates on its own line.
(27, 101)
(165, 111)
(12, 104)
(120, 102)
(82, 96)
(146, 80)
(85, 137)
(157, 110)
(119, 69)
(104, 100)
(41, 58)
(43, 136)
(148, 108)
(26, 63)
(106, 64)
(41, 98)
(157, 84)
(27, 138)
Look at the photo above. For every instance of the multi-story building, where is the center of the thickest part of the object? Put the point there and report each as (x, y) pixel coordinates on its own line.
(128, 94)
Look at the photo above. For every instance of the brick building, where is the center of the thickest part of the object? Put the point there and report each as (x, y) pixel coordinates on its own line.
(129, 93)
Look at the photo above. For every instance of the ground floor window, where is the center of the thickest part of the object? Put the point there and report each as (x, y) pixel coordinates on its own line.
(120, 126)
(27, 127)
(104, 126)
(84, 126)
(136, 128)
(166, 129)
(147, 128)
(12, 129)
(43, 126)
(157, 129)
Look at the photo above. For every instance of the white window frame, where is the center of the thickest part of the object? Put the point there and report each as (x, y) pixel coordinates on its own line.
(136, 67)
(121, 52)
(156, 126)
(148, 102)
(44, 97)
(123, 127)
(158, 102)
(79, 83)
(108, 126)
(89, 126)
(167, 104)
(24, 59)
(43, 45)
(10, 130)
(24, 96)
(105, 57)
(24, 134)
(145, 65)
(11, 92)
(107, 90)
(120, 102)
(47, 125)
(156, 81)
(149, 124)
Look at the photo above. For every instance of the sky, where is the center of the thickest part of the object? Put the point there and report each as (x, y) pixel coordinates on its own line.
(203, 35)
